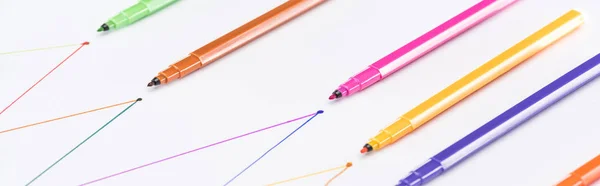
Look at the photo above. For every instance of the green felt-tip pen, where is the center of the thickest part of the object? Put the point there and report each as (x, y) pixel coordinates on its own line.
(134, 13)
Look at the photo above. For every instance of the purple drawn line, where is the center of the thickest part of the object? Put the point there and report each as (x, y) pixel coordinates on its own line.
(175, 156)
(264, 154)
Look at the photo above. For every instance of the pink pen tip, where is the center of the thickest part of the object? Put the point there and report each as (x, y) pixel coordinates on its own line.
(332, 97)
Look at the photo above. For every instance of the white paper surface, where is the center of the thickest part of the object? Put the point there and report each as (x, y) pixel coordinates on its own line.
(285, 74)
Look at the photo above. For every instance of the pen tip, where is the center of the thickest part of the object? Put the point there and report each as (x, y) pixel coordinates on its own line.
(155, 81)
(336, 94)
(366, 148)
(103, 27)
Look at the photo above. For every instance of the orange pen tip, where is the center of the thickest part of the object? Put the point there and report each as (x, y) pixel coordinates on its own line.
(363, 150)
(154, 82)
(349, 164)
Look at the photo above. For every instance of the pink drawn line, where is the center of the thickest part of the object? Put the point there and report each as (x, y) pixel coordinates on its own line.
(175, 156)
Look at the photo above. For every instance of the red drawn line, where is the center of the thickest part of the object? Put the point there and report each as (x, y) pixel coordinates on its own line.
(82, 44)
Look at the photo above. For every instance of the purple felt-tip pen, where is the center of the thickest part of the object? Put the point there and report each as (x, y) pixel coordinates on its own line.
(504, 123)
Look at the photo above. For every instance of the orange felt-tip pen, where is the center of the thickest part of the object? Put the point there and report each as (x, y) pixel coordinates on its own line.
(584, 175)
(476, 79)
(234, 40)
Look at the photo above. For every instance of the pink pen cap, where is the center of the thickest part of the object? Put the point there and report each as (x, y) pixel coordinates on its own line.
(420, 46)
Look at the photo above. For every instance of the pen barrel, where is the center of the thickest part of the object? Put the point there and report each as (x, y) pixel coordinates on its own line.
(180, 69)
(439, 35)
(520, 113)
(156, 5)
(590, 171)
(584, 175)
(238, 38)
(425, 173)
(422, 45)
(572, 180)
(253, 29)
(513, 118)
(138, 11)
(135, 13)
(360, 81)
(477, 78)
(391, 134)
(494, 68)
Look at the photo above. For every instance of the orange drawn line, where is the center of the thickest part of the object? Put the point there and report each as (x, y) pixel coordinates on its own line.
(348, 165)
(82, 44)
(312, 174)
(64, 117)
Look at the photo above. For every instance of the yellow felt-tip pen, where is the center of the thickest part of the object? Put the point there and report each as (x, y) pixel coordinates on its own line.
(476, 79)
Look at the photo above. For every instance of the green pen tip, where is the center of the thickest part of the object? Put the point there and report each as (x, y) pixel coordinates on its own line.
(103, 27)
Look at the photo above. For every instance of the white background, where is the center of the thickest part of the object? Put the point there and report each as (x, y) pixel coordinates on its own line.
(288, 73)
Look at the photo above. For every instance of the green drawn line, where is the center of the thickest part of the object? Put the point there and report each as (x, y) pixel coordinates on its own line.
(139, 99)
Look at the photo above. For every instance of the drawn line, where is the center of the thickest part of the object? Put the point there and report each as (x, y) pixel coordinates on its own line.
(348, 165)
(311, 174)
(65, 117)
(86, 139)
(194, 150)
(82, 44)
(38, 49)
(231, 180)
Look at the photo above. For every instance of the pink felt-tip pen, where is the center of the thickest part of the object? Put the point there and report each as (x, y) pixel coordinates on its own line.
(420, 46)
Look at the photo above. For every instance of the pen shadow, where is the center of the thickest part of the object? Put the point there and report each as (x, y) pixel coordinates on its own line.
(174, 82)
(102, 34)
(335, 101)
(155, 89)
